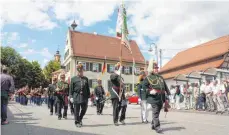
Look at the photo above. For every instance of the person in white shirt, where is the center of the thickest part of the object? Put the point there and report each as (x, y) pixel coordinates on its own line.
(196, 94)
(217, 93)
(172, 97)
(209, 96)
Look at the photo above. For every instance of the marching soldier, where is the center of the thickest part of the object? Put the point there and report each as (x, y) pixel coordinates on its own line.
(99, 94)
(142, 98)
(156, 87)
(79, 94)
(51, 95)
(119, 103)
(62, 97)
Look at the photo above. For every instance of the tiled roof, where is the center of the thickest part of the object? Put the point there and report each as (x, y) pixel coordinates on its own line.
(199, 53)
(98, 46)
(199, 67)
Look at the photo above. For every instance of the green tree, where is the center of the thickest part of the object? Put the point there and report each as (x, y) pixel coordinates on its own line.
(50, 68)
(23, 71)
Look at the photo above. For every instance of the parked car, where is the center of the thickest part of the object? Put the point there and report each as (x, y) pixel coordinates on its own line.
(133, 99)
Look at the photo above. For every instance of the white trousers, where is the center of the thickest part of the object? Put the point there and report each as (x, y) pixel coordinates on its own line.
(145, 107)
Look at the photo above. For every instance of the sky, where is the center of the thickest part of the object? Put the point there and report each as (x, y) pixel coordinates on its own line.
(37, 28)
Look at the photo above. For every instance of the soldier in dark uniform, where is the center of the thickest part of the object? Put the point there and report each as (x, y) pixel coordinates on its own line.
(79, 94)
(51, 95)
(62, 96)
(155, 87)
(99, 95)
(118, 103)
(7, 87)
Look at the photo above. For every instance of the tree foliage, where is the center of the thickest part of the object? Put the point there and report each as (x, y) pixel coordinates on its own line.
(50, 68)
(23, 71)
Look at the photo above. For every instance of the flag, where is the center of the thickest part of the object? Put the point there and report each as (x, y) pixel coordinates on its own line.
(119, 23)
(121, 28)
(104, 66)
(125, 40)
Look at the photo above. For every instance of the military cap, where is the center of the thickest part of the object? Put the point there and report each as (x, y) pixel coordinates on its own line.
(79, 67)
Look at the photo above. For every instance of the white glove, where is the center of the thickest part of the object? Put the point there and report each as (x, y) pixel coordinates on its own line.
(153, 92)
(139, 100)
(71, 100)
(96, 98)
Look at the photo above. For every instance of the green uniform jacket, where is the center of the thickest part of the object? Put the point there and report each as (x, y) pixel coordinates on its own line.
(157, 82)
(141, 91)
(79, 89)
(63, 87)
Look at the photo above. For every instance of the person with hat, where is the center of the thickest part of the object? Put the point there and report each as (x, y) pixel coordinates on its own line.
(142, 97)
(99, 96)
(62, 90)
(79, 95)
(7, 87)
(118, 99)
(51, 95)
(155, 88)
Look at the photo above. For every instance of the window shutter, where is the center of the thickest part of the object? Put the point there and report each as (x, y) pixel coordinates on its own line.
(131, 86)
(91, 66)
(100, 67)
(130, 70)
(108, 68)
(90, 83)
(87, 66)
(123, 69)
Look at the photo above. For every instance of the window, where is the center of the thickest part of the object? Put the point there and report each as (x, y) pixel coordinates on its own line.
(127, 87)
(110, 68)
(127, 70)
(66, 54)
(137, 70)
(95, 67)
(94, 83)
(67, 67)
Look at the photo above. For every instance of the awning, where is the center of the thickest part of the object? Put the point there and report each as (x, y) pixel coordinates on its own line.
(181, 77)
(209, 72)
(194, 75)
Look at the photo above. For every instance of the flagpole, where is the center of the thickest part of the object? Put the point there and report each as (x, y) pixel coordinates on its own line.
(133, 75)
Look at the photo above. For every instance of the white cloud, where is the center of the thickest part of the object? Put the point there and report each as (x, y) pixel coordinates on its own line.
(111, 31)
(89, 12)
(22, 45)
(178, 24)
(44, 52)
(45, 61)
(32, 13)
(9, 38)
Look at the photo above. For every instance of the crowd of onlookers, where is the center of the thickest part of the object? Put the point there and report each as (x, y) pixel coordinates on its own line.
(209, 96)
(35, 96)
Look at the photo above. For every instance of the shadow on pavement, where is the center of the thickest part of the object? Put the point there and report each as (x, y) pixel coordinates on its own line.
(98, 125)
(173, 128)
(28, 128)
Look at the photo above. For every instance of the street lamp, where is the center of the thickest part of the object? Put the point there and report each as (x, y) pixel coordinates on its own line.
(156, 53)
